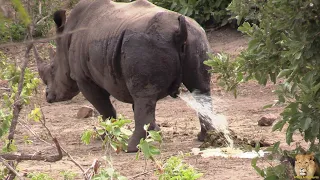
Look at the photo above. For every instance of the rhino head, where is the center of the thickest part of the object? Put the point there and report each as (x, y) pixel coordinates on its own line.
(56, 74)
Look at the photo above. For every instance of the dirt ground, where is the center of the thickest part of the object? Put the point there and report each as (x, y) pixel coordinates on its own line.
(178, 122)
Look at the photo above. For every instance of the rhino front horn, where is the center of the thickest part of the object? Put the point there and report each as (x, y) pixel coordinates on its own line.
(40, 63)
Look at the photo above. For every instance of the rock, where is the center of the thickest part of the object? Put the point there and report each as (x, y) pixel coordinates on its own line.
(85, 112)
(267, 120)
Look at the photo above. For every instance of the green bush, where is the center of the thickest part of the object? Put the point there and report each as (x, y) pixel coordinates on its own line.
(203, 11)
(16, 29)
(246, 10)
(285, 45)
(12, 32)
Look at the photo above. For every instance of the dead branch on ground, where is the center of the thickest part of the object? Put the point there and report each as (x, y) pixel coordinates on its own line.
(39, 157)
(36, 157)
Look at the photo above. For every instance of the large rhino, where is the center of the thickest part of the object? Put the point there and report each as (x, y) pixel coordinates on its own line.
(137, 52)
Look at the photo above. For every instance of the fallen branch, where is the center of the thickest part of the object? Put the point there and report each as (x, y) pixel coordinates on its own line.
(4, 162)
(35, 157)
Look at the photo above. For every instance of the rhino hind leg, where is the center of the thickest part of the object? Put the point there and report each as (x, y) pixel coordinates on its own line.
(98, 97)
(144, 113)
(205, 127)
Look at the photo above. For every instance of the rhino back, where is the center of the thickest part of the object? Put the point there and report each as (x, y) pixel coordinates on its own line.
(92, 50)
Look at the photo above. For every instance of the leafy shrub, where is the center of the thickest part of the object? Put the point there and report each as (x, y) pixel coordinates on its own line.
(246, 10)
(11, 73)
(285, 45)
(15, 29)
(203, 11)
(12, 31)
(109, 173)
(114, 132)
(174, 168)
(39, 176)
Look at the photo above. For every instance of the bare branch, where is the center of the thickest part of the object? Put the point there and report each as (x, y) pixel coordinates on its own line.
(32, 132)
(43, 121)
(42, 19)
(17, 105)
(5, 89)
(4, 162)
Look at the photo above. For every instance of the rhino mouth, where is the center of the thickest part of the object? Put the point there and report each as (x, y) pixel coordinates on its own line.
(51, 98)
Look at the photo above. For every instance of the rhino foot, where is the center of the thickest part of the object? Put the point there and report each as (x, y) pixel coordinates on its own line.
(201, 136)
(133, 143)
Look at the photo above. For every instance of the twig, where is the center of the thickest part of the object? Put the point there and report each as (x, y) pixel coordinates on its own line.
(43, 122)
(140, 174)
(17, 105)
(11, 168)
(42, 19)
(94, 167)
(5, 89)
(33, 133)
(72, 160)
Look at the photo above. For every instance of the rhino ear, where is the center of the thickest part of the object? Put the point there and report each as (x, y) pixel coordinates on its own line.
(59, 18)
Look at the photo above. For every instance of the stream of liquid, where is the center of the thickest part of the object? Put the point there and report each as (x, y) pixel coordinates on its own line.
(203, 105)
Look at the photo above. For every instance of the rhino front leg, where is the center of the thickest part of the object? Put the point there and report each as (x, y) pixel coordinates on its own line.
(98, 97)
(144, 113)
(153, 124)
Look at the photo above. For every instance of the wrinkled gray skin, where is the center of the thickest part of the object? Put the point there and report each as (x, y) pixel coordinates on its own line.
(136, 52)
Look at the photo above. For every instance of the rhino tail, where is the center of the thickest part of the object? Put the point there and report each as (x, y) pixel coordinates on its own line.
(116, 59)
(181, 35)
(180, 39)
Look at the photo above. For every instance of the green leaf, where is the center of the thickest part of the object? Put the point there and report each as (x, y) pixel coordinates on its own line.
(272, 177)
(268, 106)
(279, 125)
(86, 136)
(254, 165)
(284, 72)
(315, 128)
(155, 136)
(289, 134)
(305, 123)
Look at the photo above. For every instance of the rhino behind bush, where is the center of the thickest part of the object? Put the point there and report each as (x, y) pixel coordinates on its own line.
(137, 52)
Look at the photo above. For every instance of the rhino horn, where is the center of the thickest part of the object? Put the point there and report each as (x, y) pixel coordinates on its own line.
(40, 63)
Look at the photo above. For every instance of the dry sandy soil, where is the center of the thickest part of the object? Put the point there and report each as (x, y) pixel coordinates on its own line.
(179, 125)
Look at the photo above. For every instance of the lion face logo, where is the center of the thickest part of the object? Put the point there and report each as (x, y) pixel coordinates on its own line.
(306, 166)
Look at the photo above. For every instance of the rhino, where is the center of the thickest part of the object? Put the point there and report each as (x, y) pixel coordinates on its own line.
(136, 52)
